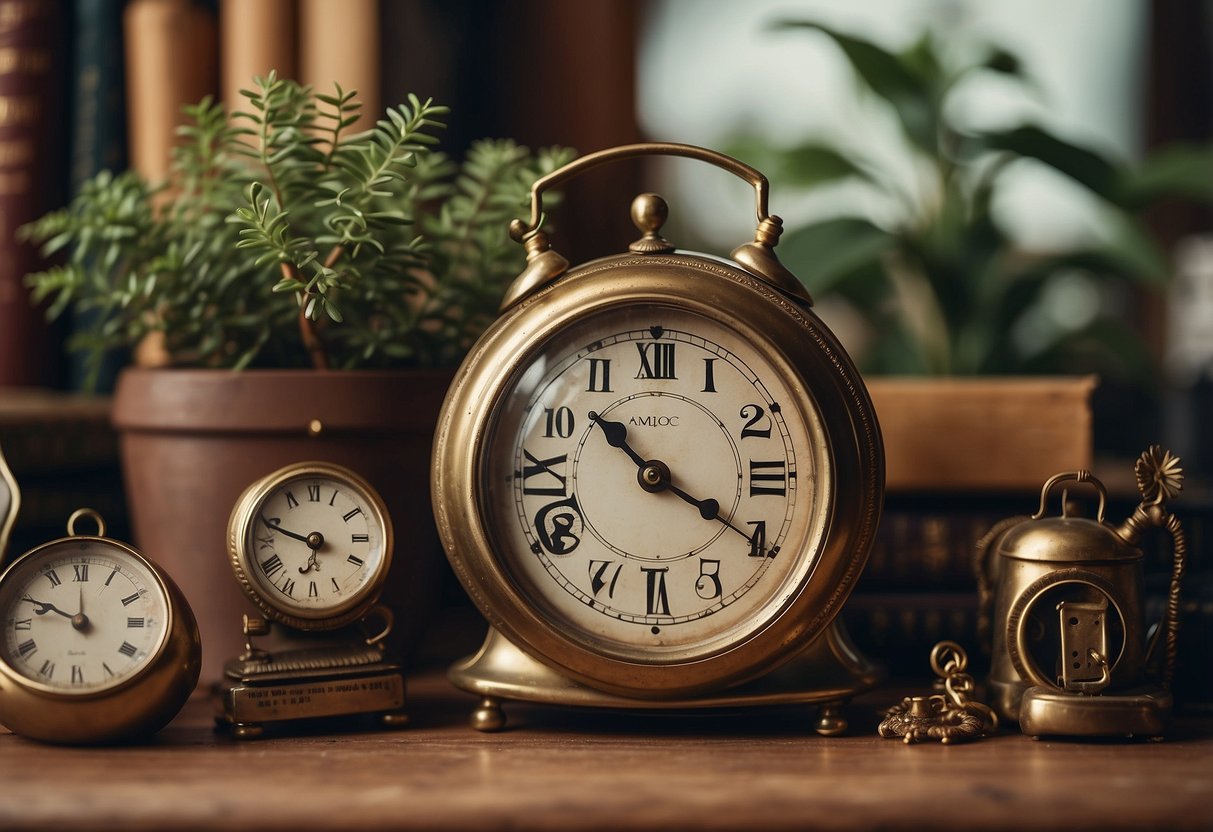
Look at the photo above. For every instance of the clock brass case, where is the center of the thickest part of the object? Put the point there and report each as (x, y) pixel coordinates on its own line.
(327, 662)
(136, 707)
(801, 654)
(10, 504)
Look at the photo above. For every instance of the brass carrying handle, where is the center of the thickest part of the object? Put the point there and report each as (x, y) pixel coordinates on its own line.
(629, 151)
(1082, 475)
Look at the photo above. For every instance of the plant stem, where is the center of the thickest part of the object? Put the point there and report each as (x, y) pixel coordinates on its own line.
(309, 332)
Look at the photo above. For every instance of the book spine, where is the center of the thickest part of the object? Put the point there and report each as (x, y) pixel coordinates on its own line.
(255, 36)
(339, 43)
(171, 61)
(98, 142)
(31, 139)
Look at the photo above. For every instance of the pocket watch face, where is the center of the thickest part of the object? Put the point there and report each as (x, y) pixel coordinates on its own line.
(314, 541)
(81, 615)
(655, 484)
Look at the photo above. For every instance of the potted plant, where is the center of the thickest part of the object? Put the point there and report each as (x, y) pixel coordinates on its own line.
(943, 290)
(304, 292)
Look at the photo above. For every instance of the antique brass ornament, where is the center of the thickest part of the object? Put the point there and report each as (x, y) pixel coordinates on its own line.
(950, 717)
(658, 476)
(10, 504)
(99, 645)
(1062, 599)
(311, 544)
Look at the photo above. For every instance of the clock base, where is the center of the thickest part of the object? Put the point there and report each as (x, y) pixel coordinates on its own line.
(252, 696)
(827, 673)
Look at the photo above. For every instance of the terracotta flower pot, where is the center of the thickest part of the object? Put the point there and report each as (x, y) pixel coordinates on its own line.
(192, 440)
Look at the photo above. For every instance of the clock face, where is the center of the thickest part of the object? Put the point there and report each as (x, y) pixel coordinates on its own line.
(314, 544)
(81, 615)
(655, 485)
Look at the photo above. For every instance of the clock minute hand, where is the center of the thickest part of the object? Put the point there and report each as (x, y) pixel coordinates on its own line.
(314, 540)
(45, 607)
(709, 509)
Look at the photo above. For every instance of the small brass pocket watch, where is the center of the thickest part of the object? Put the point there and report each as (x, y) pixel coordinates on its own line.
(658, 475)
(99, 645)
(311, 545)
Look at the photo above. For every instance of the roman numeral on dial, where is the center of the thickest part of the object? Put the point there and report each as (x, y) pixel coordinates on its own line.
(656, 360)
(768, 477)
(657, 600)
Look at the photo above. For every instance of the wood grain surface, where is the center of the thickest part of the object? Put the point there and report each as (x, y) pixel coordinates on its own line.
(559, 769)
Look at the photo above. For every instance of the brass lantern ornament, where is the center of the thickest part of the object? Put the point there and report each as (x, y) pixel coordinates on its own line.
(658, 476)
(1062, 598)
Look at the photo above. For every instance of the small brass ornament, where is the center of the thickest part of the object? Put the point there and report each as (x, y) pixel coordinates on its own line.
(1061, 600)
(949, 718)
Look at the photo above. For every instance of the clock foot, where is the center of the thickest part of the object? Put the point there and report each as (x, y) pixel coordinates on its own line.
(830, 721)
(489, 716)
(394, 719)
(247, 730)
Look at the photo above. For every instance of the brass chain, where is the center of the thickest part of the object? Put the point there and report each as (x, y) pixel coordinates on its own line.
(953, 718)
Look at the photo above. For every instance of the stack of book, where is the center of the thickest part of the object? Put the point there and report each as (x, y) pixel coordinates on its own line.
(64, 455)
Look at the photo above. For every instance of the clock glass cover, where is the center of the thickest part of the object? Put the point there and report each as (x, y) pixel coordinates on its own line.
(81, 615)
(659, 489)
(314, 543)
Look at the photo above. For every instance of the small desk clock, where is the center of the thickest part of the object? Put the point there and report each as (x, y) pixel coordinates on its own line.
(658, 476)
(310, 545)
(98, 646)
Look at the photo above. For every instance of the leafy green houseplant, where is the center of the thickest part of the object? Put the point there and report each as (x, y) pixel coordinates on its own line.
(941, 285)
(283, 239)
(310, 289)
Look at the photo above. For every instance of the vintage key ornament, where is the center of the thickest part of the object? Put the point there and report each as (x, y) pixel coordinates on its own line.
(950, 718)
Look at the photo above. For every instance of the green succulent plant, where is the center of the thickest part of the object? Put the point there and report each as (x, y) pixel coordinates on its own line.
(943, 288)
(284, 239)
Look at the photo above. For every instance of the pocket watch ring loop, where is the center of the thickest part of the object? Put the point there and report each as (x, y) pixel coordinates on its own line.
(83, 513)
(628, 151)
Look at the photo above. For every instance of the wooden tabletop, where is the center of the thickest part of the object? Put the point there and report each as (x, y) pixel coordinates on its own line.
(561, 769)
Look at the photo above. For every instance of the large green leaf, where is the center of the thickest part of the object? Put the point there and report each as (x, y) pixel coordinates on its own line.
(889, 76)
(1082, 164)
(804, 165)
(1106, 346)
(1178, 170)
(830, 254)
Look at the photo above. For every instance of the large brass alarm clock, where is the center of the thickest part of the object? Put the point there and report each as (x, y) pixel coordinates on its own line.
(658, 476)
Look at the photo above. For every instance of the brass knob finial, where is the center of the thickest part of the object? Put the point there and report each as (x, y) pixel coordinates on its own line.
(649, 213)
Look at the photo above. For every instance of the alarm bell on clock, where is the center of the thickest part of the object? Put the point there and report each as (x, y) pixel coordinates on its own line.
(1071, 652)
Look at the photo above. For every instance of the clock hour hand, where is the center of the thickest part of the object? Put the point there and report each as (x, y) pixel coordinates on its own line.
(616, 434)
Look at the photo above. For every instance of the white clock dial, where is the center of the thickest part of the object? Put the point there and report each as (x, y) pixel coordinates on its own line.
(81, 615)
(659, 488)
(315, 544)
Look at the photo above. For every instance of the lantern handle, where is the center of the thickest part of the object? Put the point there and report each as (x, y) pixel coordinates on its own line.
(1080, 476)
